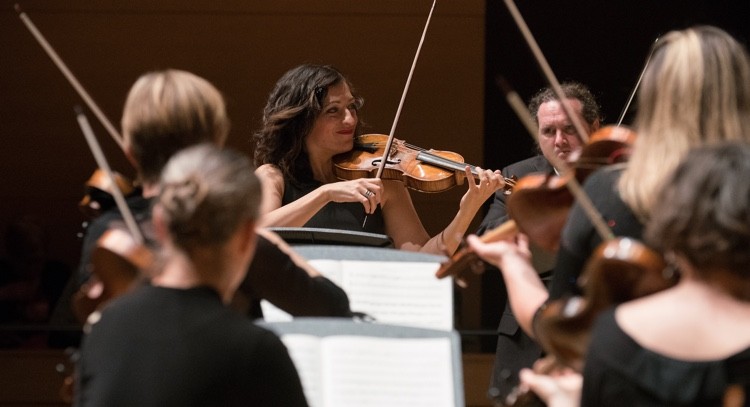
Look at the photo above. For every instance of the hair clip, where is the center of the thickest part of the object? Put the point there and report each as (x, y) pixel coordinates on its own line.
(320, 93)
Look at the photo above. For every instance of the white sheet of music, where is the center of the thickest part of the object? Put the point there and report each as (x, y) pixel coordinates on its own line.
(346, 370)
(393, 292)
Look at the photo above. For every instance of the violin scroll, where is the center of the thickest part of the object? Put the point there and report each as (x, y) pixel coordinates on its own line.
(98, 198)
(608, 145)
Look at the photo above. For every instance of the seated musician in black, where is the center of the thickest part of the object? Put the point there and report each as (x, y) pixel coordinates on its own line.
(311, 116)
(167, 111)
(174, 342)
(557, 137)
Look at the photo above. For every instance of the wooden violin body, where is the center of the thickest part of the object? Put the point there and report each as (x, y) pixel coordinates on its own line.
(419, 169)
(117, 264)
(620, 270)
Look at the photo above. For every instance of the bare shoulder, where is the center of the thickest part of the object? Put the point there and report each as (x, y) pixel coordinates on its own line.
(271, 176)
(269, 171)
(686, 327)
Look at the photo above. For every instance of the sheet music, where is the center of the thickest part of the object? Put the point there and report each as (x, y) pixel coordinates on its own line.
(393, 292)
(373, 371)
(306, 354)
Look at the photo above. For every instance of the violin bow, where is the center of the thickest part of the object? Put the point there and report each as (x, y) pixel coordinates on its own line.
(96, 150)
(573, 185)
(71, 78)
(392, 133)
(637, 83)
(403, 95)
(546, 69)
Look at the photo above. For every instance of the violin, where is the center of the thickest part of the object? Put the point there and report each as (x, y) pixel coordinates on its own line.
(98, 192)
(619, 270)
(117, 262)
(419, 169)
(119, 255)
(540, 203)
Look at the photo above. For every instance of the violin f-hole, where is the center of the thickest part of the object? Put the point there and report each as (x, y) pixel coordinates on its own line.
(376, 162)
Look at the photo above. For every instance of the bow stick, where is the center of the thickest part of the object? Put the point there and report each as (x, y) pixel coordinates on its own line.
(101, 161)
(637, 83)
(389, 143)
(71, 78)
(573, 185)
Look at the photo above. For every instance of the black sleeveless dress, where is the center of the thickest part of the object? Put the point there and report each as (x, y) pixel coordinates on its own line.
(336, 215)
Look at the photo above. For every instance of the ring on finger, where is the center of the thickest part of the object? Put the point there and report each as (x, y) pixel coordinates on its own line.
(368, 193)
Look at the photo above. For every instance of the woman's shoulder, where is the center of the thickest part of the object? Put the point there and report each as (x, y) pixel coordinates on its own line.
(269, 170)
(271, 177)
(642, 373)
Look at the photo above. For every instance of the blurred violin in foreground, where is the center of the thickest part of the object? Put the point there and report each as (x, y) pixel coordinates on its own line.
(619, 270)
(539, 203)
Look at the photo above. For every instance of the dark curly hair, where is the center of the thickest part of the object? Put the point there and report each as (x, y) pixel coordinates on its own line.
(572, 90)
(289, 115)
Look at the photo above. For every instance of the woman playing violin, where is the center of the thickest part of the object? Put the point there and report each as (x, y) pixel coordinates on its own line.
(312, 116)
(696, 91)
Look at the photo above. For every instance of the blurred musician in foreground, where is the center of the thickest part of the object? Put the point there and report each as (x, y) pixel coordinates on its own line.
(165, 112)
(695, 91)
(689, 344)
(556, 137)
(311, 116)
(174, 341)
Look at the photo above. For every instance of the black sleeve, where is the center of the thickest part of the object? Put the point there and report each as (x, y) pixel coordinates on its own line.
(593, 371)
(496, 215)
(275, 277)
(565, 277)
(94, 231)
(579, 237)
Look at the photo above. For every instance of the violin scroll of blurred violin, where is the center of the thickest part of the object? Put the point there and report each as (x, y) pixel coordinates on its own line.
(98, 193)
(419, 169)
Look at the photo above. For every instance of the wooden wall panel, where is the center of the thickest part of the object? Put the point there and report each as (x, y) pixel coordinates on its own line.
(242, 47)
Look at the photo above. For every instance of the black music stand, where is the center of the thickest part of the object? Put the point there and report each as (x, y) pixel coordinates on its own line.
(321, 236)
